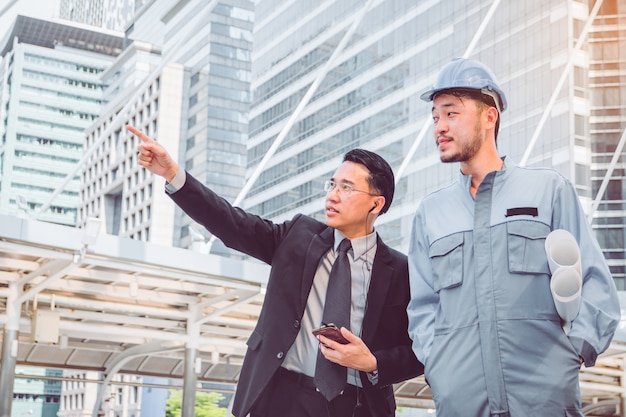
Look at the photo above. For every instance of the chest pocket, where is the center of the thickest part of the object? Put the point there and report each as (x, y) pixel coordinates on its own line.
(526, 247)
(446, 255)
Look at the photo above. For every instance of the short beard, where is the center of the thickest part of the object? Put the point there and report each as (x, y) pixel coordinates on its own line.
(468, 149)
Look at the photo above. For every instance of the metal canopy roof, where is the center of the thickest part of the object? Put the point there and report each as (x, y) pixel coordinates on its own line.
(120, 294)
(118, 303)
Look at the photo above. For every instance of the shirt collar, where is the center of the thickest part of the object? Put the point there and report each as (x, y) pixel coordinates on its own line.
(466, 180)
(360, 245)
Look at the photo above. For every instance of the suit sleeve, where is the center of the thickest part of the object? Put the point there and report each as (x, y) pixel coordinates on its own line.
(234, 226)
(391, 345)
(396, 364)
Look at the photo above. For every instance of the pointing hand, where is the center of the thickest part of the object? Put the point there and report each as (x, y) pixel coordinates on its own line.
(154, 157)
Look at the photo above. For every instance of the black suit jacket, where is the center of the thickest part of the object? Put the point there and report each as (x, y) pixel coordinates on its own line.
(294, 249)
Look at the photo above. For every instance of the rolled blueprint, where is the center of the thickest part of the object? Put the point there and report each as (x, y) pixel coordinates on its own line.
(562, 250)
(566, 282)
(566, 287)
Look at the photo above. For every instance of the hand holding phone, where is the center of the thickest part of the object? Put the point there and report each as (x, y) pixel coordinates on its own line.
(332, 332)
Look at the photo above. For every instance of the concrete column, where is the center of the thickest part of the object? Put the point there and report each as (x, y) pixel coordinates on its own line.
(188, 407)
(7, 372)
(9, 351)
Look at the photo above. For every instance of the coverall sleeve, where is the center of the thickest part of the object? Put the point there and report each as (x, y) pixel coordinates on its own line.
(424, 301)
(593, 328)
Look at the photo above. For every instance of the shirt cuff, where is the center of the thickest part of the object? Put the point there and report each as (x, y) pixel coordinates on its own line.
(177, 182)
(373, 377)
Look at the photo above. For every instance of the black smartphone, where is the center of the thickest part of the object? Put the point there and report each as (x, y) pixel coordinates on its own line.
(332, 332)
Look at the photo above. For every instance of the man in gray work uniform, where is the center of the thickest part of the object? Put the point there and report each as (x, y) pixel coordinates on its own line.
(481, 314)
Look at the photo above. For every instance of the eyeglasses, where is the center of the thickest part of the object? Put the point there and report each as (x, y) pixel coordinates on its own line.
(344, 188)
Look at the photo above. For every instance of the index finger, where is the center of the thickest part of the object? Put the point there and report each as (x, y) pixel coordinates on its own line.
(348, 335)
(138, 132)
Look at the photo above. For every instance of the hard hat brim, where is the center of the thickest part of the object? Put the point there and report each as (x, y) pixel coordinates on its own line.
(496, 95)
(428, 95)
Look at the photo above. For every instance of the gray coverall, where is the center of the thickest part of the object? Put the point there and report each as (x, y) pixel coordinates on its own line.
(481, 314)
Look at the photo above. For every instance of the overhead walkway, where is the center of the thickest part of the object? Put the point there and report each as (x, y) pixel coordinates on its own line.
(72, 299)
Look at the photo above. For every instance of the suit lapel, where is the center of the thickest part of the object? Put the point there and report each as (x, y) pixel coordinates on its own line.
(382, 271)
(320, 244)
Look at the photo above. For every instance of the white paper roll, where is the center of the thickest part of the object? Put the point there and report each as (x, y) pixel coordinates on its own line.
(566, 282)
(566, 286)
(562, 250)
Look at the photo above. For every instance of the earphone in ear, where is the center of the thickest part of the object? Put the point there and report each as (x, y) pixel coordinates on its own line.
(375, 205)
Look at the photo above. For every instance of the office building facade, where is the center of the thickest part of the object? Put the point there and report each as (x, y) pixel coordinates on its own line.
(50, 92)
(369, 93)
(88, 12)
(107, 14)
(79, 395)
(184, 80)
(33, 396)
(607, 127)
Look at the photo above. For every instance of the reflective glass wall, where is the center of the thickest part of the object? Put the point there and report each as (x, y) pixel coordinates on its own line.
(369, 97)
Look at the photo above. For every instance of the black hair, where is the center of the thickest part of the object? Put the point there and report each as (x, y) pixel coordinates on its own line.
(380, 178)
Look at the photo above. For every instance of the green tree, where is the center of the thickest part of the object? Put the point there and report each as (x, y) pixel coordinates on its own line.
(206, 404)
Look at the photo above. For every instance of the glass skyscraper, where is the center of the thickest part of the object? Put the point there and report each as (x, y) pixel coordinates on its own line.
(108, 14)
(607, 130)
(50, 91)
(369, 96)
(37, 397)
(184, 79)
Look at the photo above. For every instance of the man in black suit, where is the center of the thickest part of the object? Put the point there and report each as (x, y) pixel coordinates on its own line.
(277, 377)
